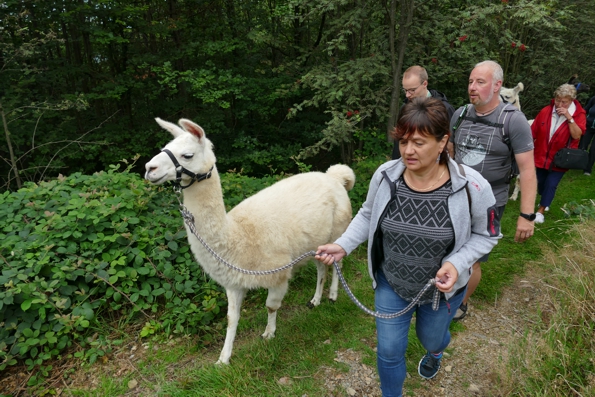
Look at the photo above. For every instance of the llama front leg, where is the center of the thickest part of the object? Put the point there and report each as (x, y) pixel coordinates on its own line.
(235, 297)
(274, 299)
(321, 279)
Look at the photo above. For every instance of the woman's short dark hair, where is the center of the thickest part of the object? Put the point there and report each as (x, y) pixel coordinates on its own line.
(428, 116)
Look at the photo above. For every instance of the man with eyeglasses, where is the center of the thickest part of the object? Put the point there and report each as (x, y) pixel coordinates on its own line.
(415, 85)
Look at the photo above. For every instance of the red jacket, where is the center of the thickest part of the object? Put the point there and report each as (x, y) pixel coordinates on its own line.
(545, 151)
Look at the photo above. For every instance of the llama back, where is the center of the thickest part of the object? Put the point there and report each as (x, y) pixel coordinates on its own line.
(300, 212)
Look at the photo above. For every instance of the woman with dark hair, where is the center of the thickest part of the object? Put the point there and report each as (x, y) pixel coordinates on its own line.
(425, 217)
(558, 125)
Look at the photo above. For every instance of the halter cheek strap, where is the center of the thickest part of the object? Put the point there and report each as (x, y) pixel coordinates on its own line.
(181, 170)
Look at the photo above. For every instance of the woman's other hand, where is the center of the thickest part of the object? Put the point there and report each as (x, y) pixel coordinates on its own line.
(446, 277)
(330, 253)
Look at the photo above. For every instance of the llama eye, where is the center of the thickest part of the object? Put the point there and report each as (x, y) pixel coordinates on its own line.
(188, 156)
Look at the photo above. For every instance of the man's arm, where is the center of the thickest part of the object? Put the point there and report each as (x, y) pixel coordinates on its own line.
(528, 184)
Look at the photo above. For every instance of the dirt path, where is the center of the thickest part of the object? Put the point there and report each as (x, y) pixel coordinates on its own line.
(477, 354)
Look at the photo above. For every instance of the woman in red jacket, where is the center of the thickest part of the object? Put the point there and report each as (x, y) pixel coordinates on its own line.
(560, 124)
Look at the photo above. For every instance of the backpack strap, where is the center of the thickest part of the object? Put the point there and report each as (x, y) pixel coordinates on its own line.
(462, 171)
(507, 111)
(460, 119)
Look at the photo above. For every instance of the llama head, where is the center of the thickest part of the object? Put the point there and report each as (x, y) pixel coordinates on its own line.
(511, 95)
(190, 147)
(580, 86)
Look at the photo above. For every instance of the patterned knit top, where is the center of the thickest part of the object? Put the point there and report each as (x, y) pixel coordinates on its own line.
(417, 234)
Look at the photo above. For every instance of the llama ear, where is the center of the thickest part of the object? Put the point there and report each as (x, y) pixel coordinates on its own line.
(192, 128)
(519, 87)
(171, 127)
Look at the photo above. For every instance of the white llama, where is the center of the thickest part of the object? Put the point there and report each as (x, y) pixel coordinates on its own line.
(511, 95)
(263, 232)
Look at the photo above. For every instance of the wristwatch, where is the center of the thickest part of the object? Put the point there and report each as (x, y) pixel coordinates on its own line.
(529, 217)
(571, 120)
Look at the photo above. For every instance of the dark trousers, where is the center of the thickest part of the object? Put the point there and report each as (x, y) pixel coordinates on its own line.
(587, 140)
(547, 183)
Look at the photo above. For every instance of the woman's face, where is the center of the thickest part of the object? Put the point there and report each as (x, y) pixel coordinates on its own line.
(419, 152)
(563, 102)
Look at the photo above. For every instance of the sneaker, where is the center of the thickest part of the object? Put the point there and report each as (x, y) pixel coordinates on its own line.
(587, 173)
(461, 312)
(547, 209)
(539, 218)
(429, 365)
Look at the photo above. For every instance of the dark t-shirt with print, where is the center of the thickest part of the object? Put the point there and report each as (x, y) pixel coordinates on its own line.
(481, 146)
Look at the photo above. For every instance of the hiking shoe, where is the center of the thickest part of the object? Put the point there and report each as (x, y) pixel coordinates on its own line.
(428, 366)
(461, 312)
(587, 173)
(539, 218)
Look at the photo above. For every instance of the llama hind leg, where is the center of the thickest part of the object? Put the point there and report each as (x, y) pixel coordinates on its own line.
(333, 292)
(235, 297)
(517, 188)
(320, 280)
(274, 299)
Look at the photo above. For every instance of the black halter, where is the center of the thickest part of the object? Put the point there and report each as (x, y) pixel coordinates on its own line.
(181, 170)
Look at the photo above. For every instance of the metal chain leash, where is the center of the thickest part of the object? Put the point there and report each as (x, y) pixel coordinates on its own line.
(189, 220)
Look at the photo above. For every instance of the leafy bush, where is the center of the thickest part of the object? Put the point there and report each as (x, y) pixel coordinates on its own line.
(78, 248)
(374, 151)
(585, 209)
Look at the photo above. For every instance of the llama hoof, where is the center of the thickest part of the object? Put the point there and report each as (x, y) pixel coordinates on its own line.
(268, 335)
(220, 363)
(310, 305)
(333, 301)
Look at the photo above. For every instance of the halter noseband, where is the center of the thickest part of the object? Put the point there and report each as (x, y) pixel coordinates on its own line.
(505, 101)
(181, 170)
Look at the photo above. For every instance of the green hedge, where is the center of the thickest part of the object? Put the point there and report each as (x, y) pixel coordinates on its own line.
(76, 250)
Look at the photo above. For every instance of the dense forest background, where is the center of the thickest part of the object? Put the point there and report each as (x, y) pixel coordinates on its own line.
(277, 85)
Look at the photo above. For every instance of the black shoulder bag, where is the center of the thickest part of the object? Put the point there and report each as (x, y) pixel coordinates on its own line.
(572, 159)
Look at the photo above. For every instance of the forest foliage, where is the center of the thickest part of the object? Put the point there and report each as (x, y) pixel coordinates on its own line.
(81, 81)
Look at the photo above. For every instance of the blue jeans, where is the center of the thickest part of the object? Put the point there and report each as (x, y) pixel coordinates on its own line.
(431, 328)
(547, 184)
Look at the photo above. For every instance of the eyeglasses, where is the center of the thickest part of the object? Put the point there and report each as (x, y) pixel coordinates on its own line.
(412, 90)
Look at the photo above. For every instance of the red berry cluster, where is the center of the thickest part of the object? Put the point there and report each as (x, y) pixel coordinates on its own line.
(522, 47)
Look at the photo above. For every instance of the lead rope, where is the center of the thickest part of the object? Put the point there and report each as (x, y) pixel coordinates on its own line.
(189, 220)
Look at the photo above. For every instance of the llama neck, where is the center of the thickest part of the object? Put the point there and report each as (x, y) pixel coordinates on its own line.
(205, 201)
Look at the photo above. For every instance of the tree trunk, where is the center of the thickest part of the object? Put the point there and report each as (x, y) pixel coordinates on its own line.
(13, 161)
(397, 60)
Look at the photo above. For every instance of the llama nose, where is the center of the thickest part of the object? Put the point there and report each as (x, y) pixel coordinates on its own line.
(149, 170)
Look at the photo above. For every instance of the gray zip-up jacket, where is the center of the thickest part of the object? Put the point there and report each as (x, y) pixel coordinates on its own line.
(476, 231)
